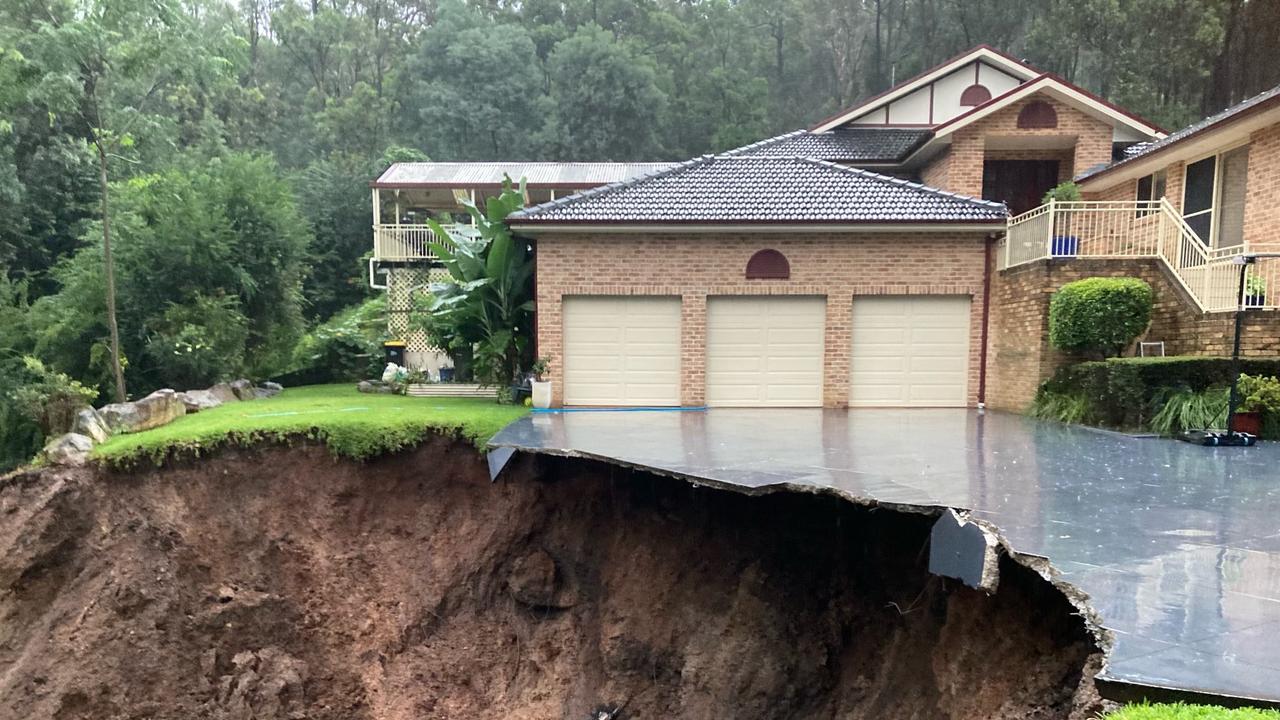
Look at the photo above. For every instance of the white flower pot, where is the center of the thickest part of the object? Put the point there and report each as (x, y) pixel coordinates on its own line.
(541, 394)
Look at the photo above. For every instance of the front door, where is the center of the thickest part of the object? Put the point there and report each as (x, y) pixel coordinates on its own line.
(1019, 184)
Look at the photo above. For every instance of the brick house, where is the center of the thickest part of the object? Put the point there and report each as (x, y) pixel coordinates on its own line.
(865, 261)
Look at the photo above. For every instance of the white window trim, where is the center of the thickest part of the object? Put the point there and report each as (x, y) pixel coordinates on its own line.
(1215, 196)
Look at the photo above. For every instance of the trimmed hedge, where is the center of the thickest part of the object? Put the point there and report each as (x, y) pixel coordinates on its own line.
(1099, 315)
(1126, 392)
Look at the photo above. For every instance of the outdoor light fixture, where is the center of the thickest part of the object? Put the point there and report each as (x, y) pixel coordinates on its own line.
(1231, 438)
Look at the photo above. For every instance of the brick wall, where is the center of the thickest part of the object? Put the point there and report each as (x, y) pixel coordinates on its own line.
(1020, 355)
(1262, 199)
(1090, 144)
(695, 266)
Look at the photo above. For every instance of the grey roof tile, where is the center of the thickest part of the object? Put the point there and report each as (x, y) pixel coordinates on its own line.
(888, 145)
(536, 174)
(1141, 150)
(743, 189)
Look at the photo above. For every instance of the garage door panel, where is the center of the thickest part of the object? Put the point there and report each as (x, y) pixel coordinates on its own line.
(621, 350)
(764, 351)
(910, 351)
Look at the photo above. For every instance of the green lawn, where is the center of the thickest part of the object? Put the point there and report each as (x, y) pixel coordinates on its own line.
(351, 423)
(1189, 712)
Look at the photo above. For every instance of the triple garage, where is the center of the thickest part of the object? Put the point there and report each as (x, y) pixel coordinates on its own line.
(767, 351)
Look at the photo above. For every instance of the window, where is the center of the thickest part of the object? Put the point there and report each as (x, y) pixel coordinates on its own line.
(1037, 115)
(1213, 197)
(974, 95)
(1150, 189)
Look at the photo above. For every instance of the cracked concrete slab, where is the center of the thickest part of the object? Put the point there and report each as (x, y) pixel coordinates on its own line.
(1170, 551)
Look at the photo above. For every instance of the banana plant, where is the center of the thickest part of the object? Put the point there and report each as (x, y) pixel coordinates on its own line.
(488, 299)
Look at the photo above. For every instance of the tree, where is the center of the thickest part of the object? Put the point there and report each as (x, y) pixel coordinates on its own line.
(107, 64)
(604, 102)
(470, 89)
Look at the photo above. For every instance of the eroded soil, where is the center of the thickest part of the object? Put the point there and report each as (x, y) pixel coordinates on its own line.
(280, 583)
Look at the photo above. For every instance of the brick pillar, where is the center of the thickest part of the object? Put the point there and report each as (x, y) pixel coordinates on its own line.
(550, 340)
(839, 344)
(693, 350)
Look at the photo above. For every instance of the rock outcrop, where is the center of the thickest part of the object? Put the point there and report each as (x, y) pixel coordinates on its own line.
(159, 408)
(71, 449)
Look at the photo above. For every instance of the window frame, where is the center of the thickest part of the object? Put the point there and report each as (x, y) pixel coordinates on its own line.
(1215, 197)
(1159, 179)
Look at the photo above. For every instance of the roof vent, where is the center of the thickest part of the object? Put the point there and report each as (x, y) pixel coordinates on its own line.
(975, 95)
(768, 265)
(1037, 115)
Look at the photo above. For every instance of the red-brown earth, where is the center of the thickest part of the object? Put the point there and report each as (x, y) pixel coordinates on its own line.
(274, 582)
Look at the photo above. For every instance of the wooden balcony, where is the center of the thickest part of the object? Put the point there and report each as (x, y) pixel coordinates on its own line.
(409, 243)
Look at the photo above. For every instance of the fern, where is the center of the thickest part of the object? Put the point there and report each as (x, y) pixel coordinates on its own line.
(1183, 409)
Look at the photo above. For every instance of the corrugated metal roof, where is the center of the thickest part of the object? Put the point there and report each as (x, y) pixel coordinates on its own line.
(743, 189)
(888, 145)
(1142, 150)
(490, 174)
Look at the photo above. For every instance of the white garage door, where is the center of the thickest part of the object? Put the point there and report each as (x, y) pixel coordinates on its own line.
(622, 351)
(910, 351)
(765, 351)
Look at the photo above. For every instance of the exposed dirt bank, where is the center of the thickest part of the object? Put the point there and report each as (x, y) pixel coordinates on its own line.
(279, 583)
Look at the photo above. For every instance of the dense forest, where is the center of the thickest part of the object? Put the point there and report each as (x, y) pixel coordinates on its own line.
(228, 143)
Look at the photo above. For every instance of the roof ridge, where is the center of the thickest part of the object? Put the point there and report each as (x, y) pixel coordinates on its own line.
(764, 142)
(610, 187)
(892, 180)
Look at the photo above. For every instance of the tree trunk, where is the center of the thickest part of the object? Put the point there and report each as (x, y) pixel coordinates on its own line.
(110, 268)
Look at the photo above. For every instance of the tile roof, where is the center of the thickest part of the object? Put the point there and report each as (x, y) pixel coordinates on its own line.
(545, 174)
(870, 144)
(727, 189)
(1142, 150)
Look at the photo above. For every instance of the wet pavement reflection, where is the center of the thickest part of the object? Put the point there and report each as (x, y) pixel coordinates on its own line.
(1177, 546)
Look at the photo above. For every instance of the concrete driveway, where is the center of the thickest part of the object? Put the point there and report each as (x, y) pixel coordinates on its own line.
(1177, 546)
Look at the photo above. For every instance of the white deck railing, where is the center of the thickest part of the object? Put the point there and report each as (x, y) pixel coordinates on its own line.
(1123, 229)
(404, 243)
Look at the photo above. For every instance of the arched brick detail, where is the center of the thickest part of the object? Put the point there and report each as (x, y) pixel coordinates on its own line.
(974, 95)
(768, 265)
(1038, 114)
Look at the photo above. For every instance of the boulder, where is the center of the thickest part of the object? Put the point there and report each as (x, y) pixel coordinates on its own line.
(365, 386)
(197, 400)
(69, 449)
(272, 388)
(223, 392)
(535, 581)
(89, 422)
(243, 389)
(159, 408)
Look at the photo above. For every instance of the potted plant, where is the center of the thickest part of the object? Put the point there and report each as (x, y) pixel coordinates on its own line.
(1259, 394)
(1064, 245)
(541, 388)
(1255, 291)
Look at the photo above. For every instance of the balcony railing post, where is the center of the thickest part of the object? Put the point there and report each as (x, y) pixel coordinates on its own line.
(1052, 221)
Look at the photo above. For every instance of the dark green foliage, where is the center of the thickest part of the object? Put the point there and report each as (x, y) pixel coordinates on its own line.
(1130, 392)
(35, 403)
(1099, 317)
(1185, 409)
(1259, 393)
(346, 347)
(222, 240)
(487, 303)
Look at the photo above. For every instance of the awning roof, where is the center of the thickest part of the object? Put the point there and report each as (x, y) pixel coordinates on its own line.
(463, 175)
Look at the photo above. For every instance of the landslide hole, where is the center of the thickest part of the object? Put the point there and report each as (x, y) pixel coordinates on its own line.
(411, 586)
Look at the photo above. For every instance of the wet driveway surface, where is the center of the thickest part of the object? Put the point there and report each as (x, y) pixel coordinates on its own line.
(1177, 546)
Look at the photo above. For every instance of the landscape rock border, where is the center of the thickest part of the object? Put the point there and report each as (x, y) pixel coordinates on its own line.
(93, 427)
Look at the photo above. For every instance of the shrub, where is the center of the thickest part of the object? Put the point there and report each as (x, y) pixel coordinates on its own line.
(35, 403)
(1130, 392)
(346, 347)
(1063, 406)
(1259, 393)
(200, 342)
(1064, 192)
(1184, 409)
(1099, 316)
